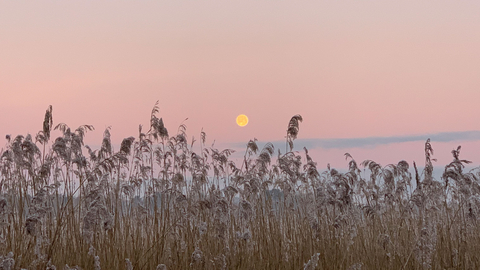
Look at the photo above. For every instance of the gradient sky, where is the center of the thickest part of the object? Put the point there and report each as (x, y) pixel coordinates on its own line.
(352, 69)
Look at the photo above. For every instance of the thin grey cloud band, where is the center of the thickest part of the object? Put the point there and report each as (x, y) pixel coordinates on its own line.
(369, 142)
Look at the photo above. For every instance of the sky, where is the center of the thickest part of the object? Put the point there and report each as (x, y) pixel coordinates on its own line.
(371, 78)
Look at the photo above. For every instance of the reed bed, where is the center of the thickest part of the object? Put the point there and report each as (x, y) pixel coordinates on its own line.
(157, 204)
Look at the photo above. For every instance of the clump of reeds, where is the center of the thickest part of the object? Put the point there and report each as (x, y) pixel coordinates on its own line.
(156, 203)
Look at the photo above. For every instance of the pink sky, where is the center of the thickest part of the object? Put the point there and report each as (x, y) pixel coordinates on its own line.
(352, 69)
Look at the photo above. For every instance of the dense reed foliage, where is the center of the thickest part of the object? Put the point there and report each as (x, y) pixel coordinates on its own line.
(157, 204)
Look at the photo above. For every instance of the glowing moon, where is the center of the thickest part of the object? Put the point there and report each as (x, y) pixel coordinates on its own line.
(242, 120)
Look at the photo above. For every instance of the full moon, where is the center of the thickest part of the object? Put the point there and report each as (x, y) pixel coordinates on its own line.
(242, 120)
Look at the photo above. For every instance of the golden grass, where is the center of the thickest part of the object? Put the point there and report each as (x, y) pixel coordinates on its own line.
(156, 204)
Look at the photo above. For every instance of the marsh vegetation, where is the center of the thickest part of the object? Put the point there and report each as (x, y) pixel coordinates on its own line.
(155, 203)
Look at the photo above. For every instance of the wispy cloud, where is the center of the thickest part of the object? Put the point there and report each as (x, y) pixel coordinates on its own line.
(368, 142)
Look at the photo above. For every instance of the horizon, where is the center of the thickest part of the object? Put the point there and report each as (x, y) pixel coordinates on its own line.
(324, 150)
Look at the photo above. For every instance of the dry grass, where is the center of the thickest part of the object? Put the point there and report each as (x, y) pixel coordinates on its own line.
(156, 204)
